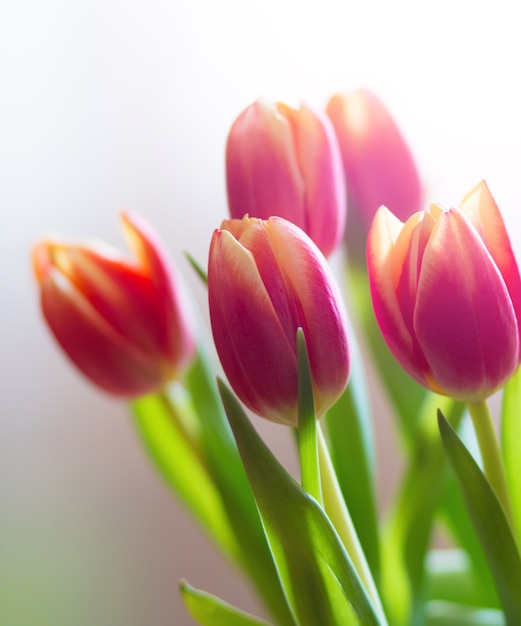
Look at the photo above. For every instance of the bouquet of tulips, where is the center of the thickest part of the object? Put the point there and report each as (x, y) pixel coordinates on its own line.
(433, 298)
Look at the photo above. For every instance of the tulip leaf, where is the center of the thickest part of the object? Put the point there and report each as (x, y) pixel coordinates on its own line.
(511, 445)
(198, 269)
(307, 424)
(351, 446)
(439, 613)
(209, 610)
(491, 525)
(318, 577)
(228, 473)
(182, 467)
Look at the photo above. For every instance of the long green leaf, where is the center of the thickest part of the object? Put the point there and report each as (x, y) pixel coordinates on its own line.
(225, 466)
(489, 519)
(351, 444)
(209, 610)
(511, 445)
(320, 582)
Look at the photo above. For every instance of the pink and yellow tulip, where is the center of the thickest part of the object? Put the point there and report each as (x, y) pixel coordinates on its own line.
(286, 162)
(124, 324)
(266, 279)
(446, 293)
(378, 164)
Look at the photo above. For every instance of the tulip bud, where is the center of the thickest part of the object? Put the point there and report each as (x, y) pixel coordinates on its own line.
(285, 162)
(124, 324)
(378, 165)
(266, 279)
(446, 293)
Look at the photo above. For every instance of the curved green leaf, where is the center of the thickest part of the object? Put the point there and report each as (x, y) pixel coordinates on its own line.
(225, 466)
(491, 525)
(320, 581)
(209, 610)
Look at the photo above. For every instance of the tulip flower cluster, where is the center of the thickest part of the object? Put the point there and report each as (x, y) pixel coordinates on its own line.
(445, 290)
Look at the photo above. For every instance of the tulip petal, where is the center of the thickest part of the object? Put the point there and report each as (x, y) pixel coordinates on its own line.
(378, 164)
(387, 249)
(262, 172)
(102, 354)
(244, 323)
(320, 164)
(464, 318)
(311, 281)
(481, 209)
(172, 308)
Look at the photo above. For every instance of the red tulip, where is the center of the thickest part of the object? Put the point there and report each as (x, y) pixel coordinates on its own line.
(447, 295)
(123, 323)
(266, 279)
(284, 161)
(378, 164)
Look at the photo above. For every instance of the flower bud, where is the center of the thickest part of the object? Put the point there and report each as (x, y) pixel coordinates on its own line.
(378, 165)
(446, 293)
(266, 279)
(124, 324)
(284, 161)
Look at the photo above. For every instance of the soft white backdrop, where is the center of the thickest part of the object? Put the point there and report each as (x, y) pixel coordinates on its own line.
(110, 104)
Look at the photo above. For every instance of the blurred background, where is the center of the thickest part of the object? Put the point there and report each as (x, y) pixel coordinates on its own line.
(106, 104)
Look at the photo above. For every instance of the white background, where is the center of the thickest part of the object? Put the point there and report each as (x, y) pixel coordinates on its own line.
(107, 104)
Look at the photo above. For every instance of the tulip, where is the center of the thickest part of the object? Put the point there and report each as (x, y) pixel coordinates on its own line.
(124, 324)
(446, 293)
(378, 165)
(286, 162)
(266, 279)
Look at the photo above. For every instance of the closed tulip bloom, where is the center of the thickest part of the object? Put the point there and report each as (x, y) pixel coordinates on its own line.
(378, 164)
(284, 161)
(125, 324)
(447, 295)
(266, 279)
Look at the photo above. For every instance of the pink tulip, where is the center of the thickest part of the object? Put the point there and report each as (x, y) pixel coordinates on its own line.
(124, 324)
(266, 279)
(378, 165)
(447, 295)
(284, 161)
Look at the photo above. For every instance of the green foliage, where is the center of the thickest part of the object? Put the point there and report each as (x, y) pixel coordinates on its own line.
(489, 519)
(209, 610)
(318, 577)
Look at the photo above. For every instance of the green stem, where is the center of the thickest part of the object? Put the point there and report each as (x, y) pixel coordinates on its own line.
(176, 415)
(490, 453)
(337, 512)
